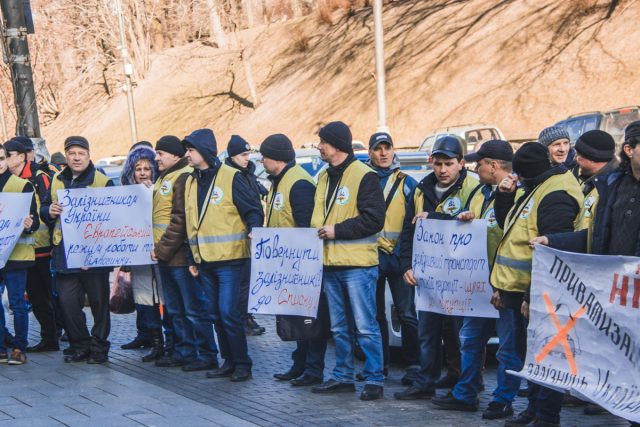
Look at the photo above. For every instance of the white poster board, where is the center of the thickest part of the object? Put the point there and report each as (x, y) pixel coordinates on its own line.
(286, 271)
(583, 328)
(14, 209)
(451, 267)
(107, 226)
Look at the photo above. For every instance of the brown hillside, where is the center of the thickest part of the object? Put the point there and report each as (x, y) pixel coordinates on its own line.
(521, 65)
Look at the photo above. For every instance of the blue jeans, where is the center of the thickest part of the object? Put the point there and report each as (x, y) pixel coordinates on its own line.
(186, 303)
(512, 334)
(16, 282)
(351, 295)
(474, 335)
(222, 285)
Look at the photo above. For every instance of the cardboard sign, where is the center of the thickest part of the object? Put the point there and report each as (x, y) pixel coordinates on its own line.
(14, 208)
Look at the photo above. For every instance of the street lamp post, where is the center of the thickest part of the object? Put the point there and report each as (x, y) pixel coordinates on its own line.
(128, 71)
(380, 72)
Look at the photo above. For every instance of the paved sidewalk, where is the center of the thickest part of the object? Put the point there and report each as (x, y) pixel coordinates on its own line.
(127, 392)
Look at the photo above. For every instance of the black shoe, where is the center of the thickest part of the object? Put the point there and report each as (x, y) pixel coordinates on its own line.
(241, 373)
(157, 350)
(540, 423)
(593, 409)
(522, 419)
(409, 376)
(414, 393)
(572, 401)
(169, 362)
(77, 356)
(97, 359)
(199, 365)
(333, 386)
(252, 328)
(372, 392)
(68, 351)
(136, 343)
(497, 410)
(289, 375)
(226, 370)
(43, 346)
(448, 381)
(448, 401)
(305, 380)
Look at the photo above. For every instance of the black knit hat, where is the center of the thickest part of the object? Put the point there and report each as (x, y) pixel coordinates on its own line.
(278, 147)
(632, 132)
(237, 145)
(79, 141)
(337, 134)
(531, 160)
(596, 145)
(171, 144)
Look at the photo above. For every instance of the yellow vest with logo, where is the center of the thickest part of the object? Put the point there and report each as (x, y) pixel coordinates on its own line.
(454, 203)
(586, 214)
(24, 249)
(279, 212)
(494, 232)
(99, 180)
(347, 253)
(512, 268)
(394, 216)
(217, 233)
(162, 201)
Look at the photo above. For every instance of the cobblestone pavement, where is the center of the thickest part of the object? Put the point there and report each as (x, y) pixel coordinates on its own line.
(127, 392)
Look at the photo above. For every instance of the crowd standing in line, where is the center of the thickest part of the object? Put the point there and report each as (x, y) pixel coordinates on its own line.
(579, 199)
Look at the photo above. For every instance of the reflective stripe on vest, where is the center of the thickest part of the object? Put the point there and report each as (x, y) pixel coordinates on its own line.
(352, 253)
(394, 216)
(512, 269)
(162, 201)
(217, 232)
(279, 212)
(585, 216)
(99, 180)
(24, 249)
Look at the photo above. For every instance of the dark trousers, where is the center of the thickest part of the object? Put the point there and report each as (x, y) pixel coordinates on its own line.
(403, 297)
(40, 291)
(451, 339)
(72, 289)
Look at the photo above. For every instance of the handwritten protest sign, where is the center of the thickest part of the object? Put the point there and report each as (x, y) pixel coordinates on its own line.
(14, 208)
(286, 271)
(451, 267)
(107, 227)
(583, 328)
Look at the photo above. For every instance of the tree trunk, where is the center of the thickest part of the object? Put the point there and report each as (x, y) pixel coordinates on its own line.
(216, 25)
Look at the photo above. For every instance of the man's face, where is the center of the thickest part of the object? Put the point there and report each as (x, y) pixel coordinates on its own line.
(634, 156)
(77, 159)
(382, 155)
(15, 162)
(195, 159)
(165, 160)
(3, 161)
(270, 165)
(587, 167)
(241, 159)
(485, 170)
(447, 169)
(559, 150)
(327, 151)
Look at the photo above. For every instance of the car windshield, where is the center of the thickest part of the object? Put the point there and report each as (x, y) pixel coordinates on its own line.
(579, 125)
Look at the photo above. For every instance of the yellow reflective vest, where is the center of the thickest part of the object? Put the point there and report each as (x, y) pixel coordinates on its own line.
(512, 268)
(217, 232)
(494, 232)
(279, 212)
(394, 216)
(585, 217)
(454, 203)
(162, 201)
(25, 248)
(99, 180)
(343, 205)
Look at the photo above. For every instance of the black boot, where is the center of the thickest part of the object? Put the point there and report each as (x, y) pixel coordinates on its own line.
(136, 343)
(157, 346)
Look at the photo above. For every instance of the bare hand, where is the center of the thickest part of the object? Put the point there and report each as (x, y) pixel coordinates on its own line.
(193, 269)
(421, 215)
(508, 184)
(55, 209)
(540, 240)
(410, 278)
(327, 232)
(466, 216)
(496, 301)
(28, 222)
(524, 309)
(147, 183)
(153, 255)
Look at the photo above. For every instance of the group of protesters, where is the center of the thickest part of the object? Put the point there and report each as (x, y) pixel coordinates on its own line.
(192, 305)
